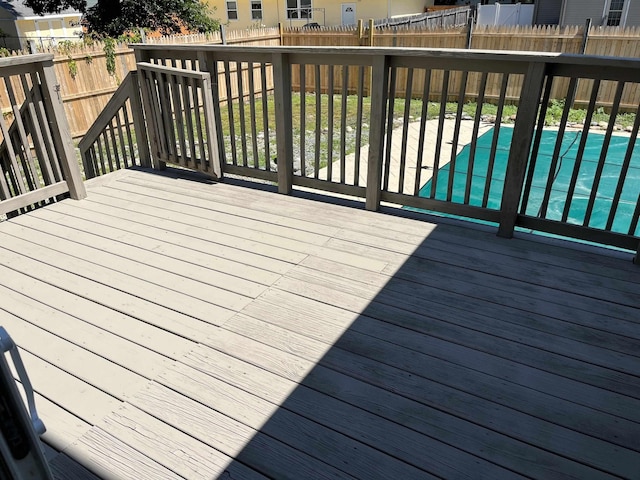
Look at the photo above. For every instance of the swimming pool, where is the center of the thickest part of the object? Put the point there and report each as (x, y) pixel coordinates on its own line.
(561, 177)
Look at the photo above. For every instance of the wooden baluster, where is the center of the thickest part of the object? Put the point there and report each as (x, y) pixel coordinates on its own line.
(142, 139)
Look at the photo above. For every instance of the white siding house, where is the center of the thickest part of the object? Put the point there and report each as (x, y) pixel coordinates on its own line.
(624, 13)
(19, 25)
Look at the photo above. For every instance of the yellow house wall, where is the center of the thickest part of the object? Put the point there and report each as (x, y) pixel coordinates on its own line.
(60, 29)
(274, 11)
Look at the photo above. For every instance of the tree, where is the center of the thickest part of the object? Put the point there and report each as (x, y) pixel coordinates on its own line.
(115, 17)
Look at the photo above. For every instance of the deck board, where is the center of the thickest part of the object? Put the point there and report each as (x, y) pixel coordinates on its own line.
(174, 327)
(318, 407)
(227, 198)
(107, 252)
(530, 301)
(172, 448)
(335, 383)
(469, 306)
(269, 456)
(541, 349)
(497, 357)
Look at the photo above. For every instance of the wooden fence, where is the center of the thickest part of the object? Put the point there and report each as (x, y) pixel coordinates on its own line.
(438, 18)
(605, 41)
(86, 86)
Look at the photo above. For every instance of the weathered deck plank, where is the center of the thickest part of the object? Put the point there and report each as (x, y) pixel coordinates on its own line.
(70, 237)
(386, 436)
(65, 468)
(527, 302)
(187, 329)
(322, 385)
(168, 251)
(533, 429)
(278, 244)
(479, 350)
(469, 307)
(52, 301)
(109, 457)
(121, 220)
(228, 198)
(541, 346)
(270, 457)
(172, 448)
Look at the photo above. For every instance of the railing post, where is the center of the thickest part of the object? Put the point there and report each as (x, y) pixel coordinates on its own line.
(142, 139)
(585, 36)
(61, 132)
(372, 28)
(379, 94)
(523, 131)
(284, 127)
(208, 63)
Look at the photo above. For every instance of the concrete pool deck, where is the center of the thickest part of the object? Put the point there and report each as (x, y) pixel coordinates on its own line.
(411, 153)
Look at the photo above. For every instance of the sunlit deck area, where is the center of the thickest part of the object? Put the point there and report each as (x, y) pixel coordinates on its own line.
(174, 327)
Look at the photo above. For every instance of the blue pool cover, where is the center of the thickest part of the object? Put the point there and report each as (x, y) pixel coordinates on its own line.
(562, 177)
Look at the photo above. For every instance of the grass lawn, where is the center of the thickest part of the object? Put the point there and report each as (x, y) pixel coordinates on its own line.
(331, 125)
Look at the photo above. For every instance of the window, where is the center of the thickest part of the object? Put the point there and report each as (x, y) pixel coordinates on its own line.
(299, 9)
(256, 9)
(232, 10)
(616, 10)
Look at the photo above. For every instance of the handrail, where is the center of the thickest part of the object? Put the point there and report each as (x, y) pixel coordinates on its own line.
(112, 132)
(395, 145)
(37, 160)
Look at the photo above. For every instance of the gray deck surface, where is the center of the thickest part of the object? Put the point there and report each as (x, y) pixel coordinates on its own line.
(183, 329)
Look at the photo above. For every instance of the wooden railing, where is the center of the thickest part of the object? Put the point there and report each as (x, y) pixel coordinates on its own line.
(180, 117)
(37, 160)
(359, 137)
(118, 137)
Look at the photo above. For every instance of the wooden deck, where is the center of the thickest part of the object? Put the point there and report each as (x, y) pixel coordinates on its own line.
(185, 329)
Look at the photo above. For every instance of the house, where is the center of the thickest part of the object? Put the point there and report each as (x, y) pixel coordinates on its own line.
(19, 25)
(240, 14)
(575, 12)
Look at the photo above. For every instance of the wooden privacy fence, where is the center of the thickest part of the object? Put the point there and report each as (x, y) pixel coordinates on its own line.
(86, 86)
(37, 160)
(433, 18)
(606, 41)
(385, 148)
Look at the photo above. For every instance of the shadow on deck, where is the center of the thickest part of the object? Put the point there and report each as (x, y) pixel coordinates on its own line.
(320, 341)
(471, 366)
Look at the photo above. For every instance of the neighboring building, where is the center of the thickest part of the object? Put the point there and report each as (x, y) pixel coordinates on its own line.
(19, 25)
(505, 14)
(623, 13)
(239, 14)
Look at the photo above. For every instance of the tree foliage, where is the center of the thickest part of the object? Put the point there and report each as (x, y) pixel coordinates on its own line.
(115, 17)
